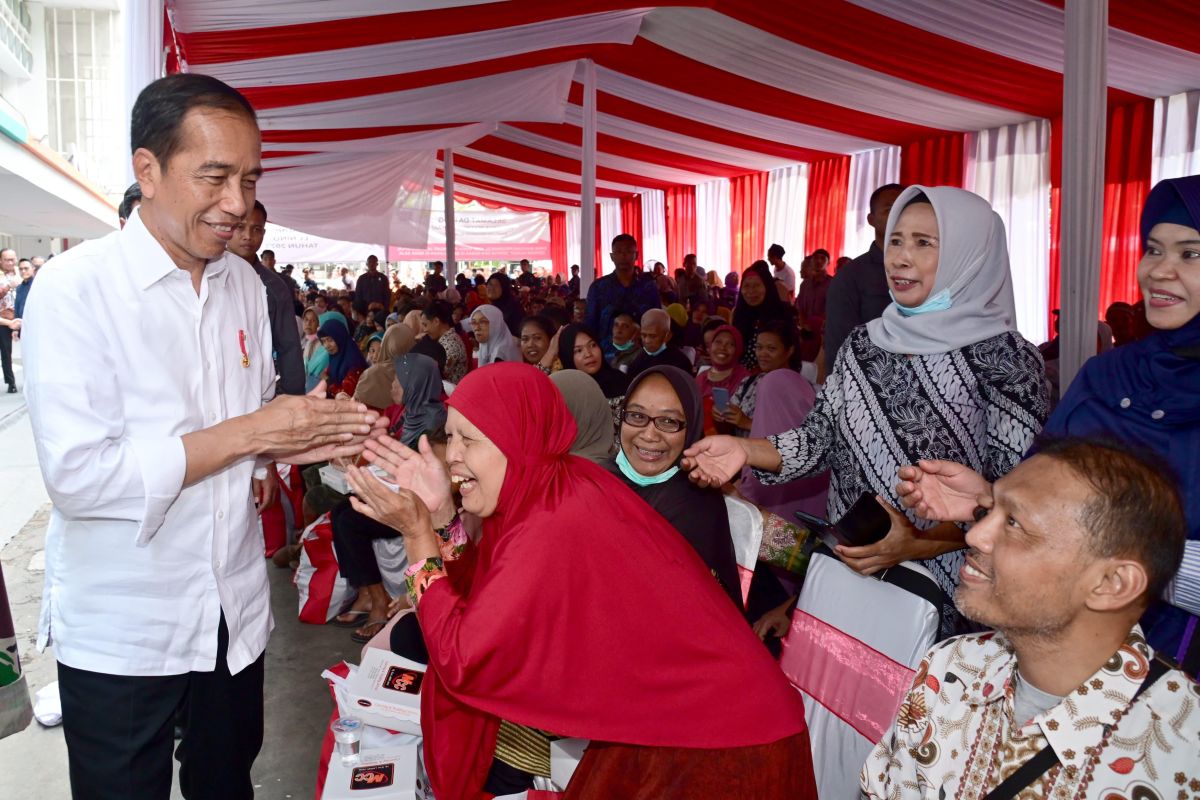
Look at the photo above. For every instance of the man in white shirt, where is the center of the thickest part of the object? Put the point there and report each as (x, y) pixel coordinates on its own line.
(783, 272)
(148, 394)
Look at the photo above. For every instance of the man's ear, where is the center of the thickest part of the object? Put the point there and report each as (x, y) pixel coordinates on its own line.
(147, 171)
(1115, 584)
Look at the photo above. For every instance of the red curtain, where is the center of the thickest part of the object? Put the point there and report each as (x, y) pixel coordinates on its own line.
(1127, 157)
(558, 242)
(828, 194)
(681, 224)
(1126, 184)
(937, 161)
(631, 218)
(747, 219)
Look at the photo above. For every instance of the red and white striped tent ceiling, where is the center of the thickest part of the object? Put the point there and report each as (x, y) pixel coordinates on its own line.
(352, 90)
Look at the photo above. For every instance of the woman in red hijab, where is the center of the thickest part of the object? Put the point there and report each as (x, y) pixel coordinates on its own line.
(582, 613)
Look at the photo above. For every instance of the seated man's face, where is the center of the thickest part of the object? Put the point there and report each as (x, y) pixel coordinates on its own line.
(654, 335)
(1029, 557)
(623, 329)
(580, 311)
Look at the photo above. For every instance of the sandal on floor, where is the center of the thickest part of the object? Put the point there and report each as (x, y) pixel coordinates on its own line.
(358, 619)
(374, 626)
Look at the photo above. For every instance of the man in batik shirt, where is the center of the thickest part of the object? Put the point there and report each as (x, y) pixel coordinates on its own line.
(1067, 553)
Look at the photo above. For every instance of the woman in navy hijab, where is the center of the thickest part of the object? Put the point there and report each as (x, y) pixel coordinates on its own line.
(1145, 394)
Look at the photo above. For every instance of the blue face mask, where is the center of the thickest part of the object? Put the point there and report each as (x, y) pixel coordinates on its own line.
(641, 480)
(939, 302)
(623, 347)
(656, 352)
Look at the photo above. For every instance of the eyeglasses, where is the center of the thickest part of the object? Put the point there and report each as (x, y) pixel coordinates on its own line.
(665, 424)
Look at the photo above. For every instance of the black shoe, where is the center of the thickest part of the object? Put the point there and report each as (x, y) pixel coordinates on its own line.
(12, 388)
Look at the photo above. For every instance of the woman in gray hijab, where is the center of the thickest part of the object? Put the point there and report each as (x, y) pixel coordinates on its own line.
(942, 371)
(595, 439)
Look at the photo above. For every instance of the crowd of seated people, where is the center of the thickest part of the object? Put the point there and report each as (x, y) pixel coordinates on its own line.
(659, 394)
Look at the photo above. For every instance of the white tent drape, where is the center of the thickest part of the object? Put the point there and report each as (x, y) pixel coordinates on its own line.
(869, 170)
(787, 210)
(1176, 146)
(391, 194)
(573, 225)
(1010, 168)
(654, 227)
(713, 242)
(610, 226)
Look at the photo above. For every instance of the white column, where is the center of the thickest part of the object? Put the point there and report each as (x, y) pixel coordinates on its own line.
(587, 226)
(142, 21)
(1085, 74)
(448, 198)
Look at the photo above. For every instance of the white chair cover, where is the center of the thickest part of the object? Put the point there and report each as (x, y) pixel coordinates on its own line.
(746, 528)
(853, 648)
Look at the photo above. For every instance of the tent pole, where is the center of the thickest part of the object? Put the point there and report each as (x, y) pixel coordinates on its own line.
(448, 199)
(587, 204)
(1085, 78)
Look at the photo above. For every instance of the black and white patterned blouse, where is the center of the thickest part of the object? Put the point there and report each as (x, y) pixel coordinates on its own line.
(981, 405)
(745, 397)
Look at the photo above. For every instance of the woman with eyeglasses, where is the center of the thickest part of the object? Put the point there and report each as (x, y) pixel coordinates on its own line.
(662, 416)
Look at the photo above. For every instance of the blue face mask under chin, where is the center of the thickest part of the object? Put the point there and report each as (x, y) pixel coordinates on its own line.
(656, 352)
(939, 302)
(642, 480)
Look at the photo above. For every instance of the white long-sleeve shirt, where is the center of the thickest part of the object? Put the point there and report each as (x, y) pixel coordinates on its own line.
(123, 358)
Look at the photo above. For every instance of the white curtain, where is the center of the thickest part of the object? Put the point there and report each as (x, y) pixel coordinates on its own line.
(787, 210)
(654, 227)
(610, 226)
(573, 234)
(1010, 168)
(713, 243)
(869, 170)
(1176, 146)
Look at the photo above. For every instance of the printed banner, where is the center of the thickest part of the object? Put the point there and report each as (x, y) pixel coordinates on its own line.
(481, 234)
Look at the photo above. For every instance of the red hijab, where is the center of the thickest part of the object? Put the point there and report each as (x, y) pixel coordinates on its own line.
(586, 615)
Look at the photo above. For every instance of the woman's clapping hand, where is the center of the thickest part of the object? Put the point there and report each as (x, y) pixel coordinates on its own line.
(419, 471)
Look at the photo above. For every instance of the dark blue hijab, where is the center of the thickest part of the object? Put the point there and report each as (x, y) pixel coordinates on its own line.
(1147, 394)
(348, 357)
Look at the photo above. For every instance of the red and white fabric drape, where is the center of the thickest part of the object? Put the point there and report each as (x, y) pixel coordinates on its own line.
(1126, 184)
(937, 161)
(828, 188)
(869, 170)
(748, 219)
(1176, 151)
(681, 224)
(713, 220)
(787, 209)
(1010, 168)
(654, 227)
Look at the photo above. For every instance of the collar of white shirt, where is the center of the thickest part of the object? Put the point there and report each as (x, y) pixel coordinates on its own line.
(149, 261)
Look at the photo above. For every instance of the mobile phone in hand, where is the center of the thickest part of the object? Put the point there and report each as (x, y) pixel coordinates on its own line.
(720, 399)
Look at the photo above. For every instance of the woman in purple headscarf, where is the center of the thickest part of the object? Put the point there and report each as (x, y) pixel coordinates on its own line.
(784, 399)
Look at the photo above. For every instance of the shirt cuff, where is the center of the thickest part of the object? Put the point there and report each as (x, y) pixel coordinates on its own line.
(163, 464)
(452, 540)
(1184, 591)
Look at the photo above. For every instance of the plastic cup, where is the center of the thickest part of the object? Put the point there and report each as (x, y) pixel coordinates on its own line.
(347, 735)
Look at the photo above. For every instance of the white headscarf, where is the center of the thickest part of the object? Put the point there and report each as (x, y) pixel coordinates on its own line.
(972, 268)
(501, 344)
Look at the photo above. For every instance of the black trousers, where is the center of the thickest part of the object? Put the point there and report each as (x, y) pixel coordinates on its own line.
(352, 536)
(6, 355)
(120, 731)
